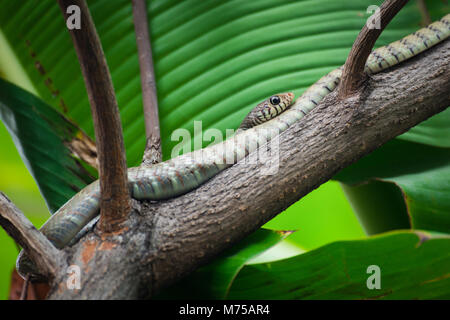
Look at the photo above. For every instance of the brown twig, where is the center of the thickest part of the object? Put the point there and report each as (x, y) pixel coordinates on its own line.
(115, 197)
(353, 73)
(47, 258)
(426, 19)
(153, 152)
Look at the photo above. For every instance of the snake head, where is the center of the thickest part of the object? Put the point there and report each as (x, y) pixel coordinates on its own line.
(267, 110)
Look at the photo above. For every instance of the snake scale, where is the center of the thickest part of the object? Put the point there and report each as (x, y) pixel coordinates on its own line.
(184, 173)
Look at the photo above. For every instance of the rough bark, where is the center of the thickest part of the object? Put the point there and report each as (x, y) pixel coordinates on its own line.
(163, 241)
(114, 203)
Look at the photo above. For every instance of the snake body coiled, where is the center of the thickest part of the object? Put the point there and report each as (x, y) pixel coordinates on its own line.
(184, 173)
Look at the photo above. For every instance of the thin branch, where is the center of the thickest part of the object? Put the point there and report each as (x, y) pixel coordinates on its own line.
(115, 196)
(47, 258)
(353, 73)
(153, 152)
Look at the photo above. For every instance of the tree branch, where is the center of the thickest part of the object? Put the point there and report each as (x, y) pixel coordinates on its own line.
(353, 73)
(115, 197)
(153, 152)
(47, 258)
(167, 240)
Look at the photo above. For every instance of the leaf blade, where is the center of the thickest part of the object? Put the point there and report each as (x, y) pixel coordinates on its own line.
(41, 136)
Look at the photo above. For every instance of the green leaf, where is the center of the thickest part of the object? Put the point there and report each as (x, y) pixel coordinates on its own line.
(219, 274)
(412, 266)
(42, 137)
(326, 203)
(423, 174)
(379, 205)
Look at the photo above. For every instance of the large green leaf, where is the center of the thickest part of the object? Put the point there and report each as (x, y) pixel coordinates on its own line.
(434, 131)
(307, 216)
(380, 206)
(42, 136)
(423, 174)
(412, 266)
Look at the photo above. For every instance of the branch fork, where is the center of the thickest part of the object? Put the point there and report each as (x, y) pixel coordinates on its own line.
(353, 73)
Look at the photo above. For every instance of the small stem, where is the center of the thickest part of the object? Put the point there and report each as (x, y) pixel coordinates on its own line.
(114, 204)
(47, 258)
(153, 152)
(353, 73)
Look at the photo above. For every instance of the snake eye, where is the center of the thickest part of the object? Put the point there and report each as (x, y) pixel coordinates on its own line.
(274, 100)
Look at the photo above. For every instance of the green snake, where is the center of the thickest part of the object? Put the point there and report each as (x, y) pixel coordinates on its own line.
(184, 173)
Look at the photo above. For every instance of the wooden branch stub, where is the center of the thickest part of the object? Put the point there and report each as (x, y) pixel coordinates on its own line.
(353, 72)
(115, 197)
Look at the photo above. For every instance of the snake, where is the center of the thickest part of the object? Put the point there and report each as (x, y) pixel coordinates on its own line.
(186, 172)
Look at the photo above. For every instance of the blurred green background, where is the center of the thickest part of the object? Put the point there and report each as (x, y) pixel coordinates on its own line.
(18, 184)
